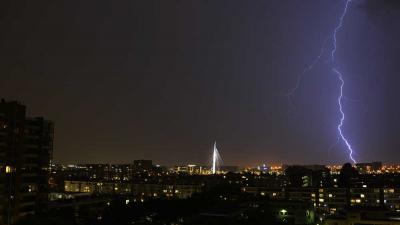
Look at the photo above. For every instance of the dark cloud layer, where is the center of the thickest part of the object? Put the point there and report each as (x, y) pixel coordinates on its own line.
(163, 80)
(382, 6)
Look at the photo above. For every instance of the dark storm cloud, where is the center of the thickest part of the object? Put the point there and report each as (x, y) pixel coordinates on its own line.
(381, 6)
(164, 79)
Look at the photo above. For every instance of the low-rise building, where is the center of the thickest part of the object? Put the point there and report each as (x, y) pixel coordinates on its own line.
(363, 216)
(143, 190)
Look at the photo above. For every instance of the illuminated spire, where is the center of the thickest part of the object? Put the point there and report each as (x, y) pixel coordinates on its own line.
(215, 159)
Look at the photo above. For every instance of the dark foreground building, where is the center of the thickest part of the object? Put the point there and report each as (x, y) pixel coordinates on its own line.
(364, 216)
(142, 165)
(26, 148)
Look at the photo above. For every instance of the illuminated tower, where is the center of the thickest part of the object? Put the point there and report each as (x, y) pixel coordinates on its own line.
(215, 159)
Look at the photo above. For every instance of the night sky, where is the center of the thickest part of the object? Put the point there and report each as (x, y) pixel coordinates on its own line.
(163, 80)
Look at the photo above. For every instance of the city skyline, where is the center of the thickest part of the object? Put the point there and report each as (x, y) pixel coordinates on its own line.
(214, 158)
(162, 81)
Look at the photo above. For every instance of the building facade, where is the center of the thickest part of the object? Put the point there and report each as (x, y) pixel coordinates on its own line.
(364, 216)
(26, 148)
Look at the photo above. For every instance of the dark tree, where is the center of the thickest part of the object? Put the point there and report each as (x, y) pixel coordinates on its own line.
(347, 173)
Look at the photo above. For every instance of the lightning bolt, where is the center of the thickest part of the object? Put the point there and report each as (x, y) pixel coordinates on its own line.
(310, 67)
(339, 75)
(341, 81)
(340, 125)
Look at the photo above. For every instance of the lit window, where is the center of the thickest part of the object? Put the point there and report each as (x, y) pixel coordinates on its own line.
(8, 169)
(283, 212)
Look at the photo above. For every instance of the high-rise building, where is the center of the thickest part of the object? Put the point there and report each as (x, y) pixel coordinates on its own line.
(26, 148)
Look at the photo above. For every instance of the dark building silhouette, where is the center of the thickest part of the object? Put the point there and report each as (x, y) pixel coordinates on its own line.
(347, 173)
(142, 165)
(308, 176)
(26, 148)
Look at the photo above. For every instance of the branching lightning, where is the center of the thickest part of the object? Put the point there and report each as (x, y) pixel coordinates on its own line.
(339, 26)
(339, 76)
(341, 81)
(339, 127)
(310, 67)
